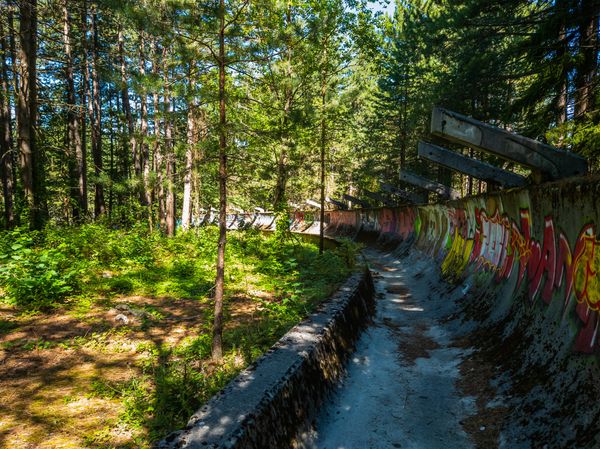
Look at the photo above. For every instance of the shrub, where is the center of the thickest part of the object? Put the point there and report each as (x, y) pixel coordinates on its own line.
(33, 277)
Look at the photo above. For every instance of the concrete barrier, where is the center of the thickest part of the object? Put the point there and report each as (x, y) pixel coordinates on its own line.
(527, 262)
(540, 243)
(277, 397)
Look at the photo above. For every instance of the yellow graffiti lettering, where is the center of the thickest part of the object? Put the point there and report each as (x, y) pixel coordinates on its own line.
(457, 258)
(586, 271)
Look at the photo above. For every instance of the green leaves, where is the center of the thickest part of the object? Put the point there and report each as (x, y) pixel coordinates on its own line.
(37, 279)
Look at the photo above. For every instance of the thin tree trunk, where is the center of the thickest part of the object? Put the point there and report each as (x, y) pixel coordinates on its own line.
(186, 210)
(322, 180)
(6, 141)
(281, 179)
(404, 124)
(144, 151)
(202, 130)
(114, 123)
(84, 94)
(286, 141)
(217, 339)
(18, 193)
(170, 206)
(158, 154)
(323, 144)
(127, 108)
(73, 132)
(470, 178)
(31, 157)
(562, 52)
(99, 203)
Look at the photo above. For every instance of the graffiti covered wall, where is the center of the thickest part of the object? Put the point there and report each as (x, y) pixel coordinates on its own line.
(539, 245)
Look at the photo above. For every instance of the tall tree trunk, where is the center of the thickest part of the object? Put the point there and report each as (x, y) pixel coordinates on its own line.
(158, 154)
(114, 125)
(74, 143)
(588, 50)
(31, 157)
(127, 108)
(6, 141)
(322, 145)
(470, 178)
(286, 140)
(186, 210)
(96, 136)
(12, 37)
(202, 130)
(217, 339)
(561, 55)
(282, 175)
(144, 151)
(84, 93)
(404, 117)
(170, 205)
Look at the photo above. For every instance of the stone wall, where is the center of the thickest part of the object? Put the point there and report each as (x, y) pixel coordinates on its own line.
(277, 397)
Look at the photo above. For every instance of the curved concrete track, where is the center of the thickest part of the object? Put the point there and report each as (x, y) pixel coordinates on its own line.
(401, 389)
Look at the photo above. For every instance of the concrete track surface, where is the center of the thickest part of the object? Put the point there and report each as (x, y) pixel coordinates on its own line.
(420, 380)
(401, 387)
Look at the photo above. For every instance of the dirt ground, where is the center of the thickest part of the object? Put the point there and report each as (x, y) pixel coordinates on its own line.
(49, 364)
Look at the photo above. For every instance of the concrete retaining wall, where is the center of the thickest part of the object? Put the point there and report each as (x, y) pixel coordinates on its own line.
(540, 245)
(528, 264)
(274, 399)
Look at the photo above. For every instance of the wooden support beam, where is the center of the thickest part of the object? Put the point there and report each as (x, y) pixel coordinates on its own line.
(469, 166)
(337, 203)
(354, 200)
(427, 184)
(409, 197)
(546, 161)
(379, 198)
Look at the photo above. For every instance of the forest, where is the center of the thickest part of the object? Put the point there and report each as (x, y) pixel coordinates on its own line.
(133, 111)
(123, 122)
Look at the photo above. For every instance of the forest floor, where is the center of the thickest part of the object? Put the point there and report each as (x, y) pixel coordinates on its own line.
(120, 370)
(63, 377)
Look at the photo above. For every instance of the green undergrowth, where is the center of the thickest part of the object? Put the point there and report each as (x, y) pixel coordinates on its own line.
(43, 270)
(78, 270)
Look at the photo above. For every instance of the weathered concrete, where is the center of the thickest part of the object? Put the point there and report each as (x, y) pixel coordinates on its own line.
(469, 166)
(272, 400)
(400, 390)
(551, 162)
(427, 184)
(339, 204)
(313, 203)
(525, 264)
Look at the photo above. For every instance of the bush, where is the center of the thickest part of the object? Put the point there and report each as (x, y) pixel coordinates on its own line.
(33, 277)
(120, 285)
